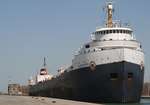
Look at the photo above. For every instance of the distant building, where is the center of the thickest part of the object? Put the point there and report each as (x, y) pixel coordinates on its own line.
(31, 81)
(17, 89)
(146, 89)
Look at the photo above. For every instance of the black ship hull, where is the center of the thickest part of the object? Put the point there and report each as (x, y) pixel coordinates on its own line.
(115, 82)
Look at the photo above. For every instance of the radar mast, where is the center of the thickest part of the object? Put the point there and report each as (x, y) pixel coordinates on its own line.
(109, 22)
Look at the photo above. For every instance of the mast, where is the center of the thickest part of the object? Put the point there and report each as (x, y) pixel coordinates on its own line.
(43, 70)
(109, 22)
(44, 64)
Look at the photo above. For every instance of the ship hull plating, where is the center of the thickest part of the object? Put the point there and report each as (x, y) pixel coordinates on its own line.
(115, 82)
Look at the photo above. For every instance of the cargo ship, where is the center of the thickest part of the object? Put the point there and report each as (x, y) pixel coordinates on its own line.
(109, 68)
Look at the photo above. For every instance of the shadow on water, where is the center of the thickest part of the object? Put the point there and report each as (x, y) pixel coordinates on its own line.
(143, 102)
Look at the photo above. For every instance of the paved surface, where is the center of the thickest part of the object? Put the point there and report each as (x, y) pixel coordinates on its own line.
(27, 100)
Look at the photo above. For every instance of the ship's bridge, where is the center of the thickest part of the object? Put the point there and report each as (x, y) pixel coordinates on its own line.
(114, 33)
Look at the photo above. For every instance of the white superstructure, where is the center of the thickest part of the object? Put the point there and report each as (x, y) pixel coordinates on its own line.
(113, 43)
(43, 75)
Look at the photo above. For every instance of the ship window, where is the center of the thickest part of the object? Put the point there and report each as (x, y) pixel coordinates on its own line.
(120, 31)
(127, 32)
(130, 76)
(140, 46)
(100, 32)
(114, 76)
(106, 31)
(124, 31)
(71, 67)
(117, 31)
(87, 46)
(110, 31)
(114, 31)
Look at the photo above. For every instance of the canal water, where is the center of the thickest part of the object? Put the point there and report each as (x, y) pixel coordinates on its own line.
(143, 102)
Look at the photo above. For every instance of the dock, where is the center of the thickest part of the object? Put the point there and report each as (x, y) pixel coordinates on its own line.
(29, 100)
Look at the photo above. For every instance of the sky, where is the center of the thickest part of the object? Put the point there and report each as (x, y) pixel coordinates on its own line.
(33, 29)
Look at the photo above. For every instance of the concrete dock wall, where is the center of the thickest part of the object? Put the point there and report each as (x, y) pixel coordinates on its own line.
(27, 100)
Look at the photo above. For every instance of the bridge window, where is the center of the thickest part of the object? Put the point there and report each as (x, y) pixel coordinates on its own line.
(124, 31)
(100, 32)
(130, 32)
(106, 31)
(114, 31)
(110, 31)
(120, 31)
(117, 31)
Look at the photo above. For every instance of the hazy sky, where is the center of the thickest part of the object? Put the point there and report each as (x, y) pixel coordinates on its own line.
(32, 29)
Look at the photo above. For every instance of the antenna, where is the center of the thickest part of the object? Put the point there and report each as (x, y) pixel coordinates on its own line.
(44, 64)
